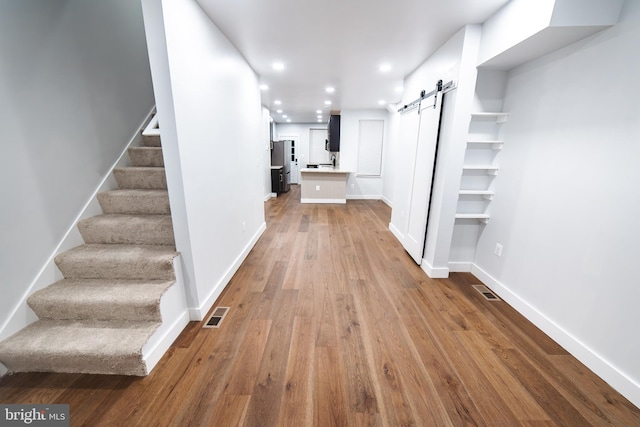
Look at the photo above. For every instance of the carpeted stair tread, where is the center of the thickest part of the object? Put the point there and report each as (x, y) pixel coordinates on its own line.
(135, 201)
(99, 261)
(128, 229)
(140, 177)
(151, 140)
(89, 346)
(100, 299)
(146, 156)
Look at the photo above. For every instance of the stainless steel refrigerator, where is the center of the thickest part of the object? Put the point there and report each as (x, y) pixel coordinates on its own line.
(280, 158)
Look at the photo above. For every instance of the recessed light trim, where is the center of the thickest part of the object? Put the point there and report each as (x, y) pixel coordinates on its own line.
(330, 89)
(277, 102)
(318, 111)
(327, 102)
(264, 87)
(288, 120)
(385, 67)
(284, 116)
(278, 66)
(279, 111)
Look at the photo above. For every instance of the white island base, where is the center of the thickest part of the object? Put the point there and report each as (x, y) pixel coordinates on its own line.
(323, 185)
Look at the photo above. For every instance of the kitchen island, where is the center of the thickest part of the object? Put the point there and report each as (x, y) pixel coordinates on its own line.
(323, 185)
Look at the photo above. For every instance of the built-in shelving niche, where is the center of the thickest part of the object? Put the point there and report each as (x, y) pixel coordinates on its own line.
(480, 165)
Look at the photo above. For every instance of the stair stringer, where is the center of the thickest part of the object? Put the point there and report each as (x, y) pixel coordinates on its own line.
(175, 316)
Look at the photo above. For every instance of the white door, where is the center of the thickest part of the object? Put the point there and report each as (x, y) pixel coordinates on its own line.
(414, 185)
(291, 150)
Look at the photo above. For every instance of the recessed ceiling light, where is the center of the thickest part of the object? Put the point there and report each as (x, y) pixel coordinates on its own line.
(277, 102)
(319, 116)
(382, 102)
(278, 66)
(399, 89)
(264, 87)
(319, 121)
(288, 120)
(284, 116)
(327, 102)
(318, 111)
(385, 67)
(330, 89)
(278, 111)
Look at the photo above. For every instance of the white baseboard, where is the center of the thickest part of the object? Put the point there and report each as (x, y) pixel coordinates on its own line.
(387, 201)
(175, 316)
(434, 272)
(460, 267)
(341, 201)
(270, 196)
(198, 313)
(363, 197)
(609, 373)
(396, 232)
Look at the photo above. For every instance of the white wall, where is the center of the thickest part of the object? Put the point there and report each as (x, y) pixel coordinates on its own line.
(567, 204)
(74, 88)
(360, 187)
(211, 122)
(392, 134)
(266, 152)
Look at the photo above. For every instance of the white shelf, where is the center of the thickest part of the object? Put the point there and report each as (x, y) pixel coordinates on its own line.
(491, 170)
(499, 117)
(495, 144)
(487, 194)
(479, 216)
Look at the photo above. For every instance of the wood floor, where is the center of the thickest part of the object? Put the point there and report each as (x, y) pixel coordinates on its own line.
(332, 324)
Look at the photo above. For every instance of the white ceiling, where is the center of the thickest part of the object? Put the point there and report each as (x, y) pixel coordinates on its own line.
(339, 43)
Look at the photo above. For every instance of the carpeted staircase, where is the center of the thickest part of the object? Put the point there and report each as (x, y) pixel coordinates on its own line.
(98, 318)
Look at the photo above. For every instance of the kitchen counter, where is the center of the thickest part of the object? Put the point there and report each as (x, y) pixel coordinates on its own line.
(323, 170)
(323, 185)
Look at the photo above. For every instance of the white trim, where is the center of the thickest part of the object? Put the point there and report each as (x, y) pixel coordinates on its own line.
(434, 272)
(396, 232)
(342, 201)
(14, 321)
(152, 128)
(387, 201)
(175, 316)
(460, 267)
(199, 313)
(363, 197)
(269, 196)
(609, 373)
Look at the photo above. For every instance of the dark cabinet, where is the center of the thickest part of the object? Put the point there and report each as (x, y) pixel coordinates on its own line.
(277, 180)
(333, 134)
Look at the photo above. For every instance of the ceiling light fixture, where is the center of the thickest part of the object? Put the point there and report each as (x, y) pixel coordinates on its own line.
(277, 102)
(381, 102)
(385, 67)
(288, 120)
(330, 89)
(319, 116)
(264, 87)
(327, 102)
(278, 111)
(319, 121)
(278, 66)
(284, 116)
(318, 111)
(399, 89)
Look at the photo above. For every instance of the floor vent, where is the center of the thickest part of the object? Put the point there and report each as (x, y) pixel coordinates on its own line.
(486, 292)
(217, 317)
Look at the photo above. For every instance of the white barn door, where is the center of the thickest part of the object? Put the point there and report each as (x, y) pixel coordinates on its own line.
(418, 141)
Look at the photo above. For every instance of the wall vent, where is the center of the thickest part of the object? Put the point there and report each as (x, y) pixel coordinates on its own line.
(216, 318)
(486, 292)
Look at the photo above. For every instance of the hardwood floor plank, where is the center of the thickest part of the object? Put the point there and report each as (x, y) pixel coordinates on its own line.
(556, 406)
(264, 406)
(331, 408)
(296, 409)
(245, 367)
(361, 395)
